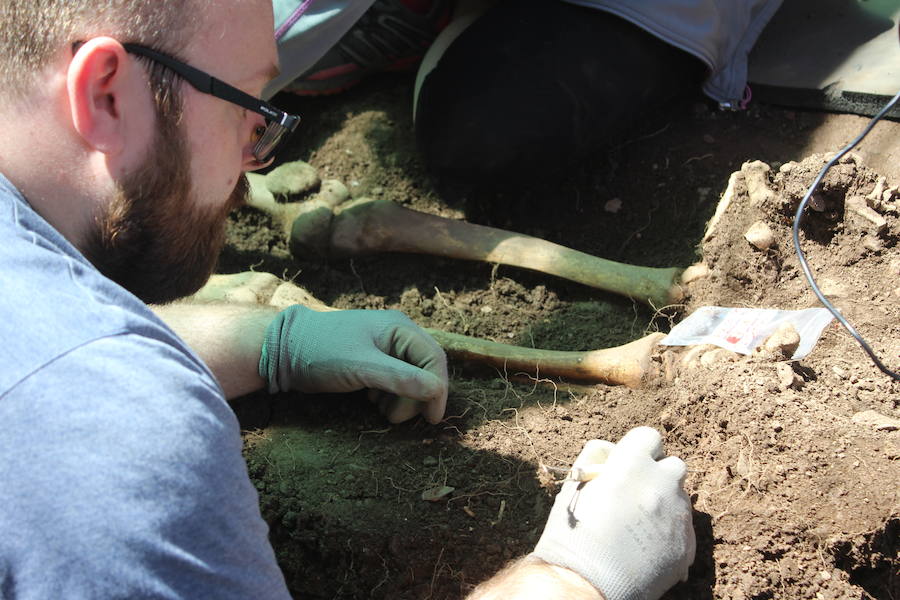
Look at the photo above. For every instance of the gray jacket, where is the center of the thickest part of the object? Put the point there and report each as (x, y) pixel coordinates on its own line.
(721, 33)
(718, 32)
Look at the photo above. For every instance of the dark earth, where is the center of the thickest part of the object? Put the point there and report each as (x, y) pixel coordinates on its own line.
(794, 467)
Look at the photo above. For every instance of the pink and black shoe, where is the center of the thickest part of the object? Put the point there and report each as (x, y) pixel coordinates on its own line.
(392, 35)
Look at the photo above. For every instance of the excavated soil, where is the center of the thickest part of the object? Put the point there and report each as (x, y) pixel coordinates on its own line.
(793, 466)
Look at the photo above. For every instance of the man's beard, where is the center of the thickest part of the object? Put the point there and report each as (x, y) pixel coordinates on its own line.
(154, 239)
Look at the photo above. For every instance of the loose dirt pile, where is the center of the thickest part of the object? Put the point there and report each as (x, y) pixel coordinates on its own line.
(793, 465)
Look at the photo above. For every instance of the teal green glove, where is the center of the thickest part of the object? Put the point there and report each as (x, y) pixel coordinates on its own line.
(349, 350)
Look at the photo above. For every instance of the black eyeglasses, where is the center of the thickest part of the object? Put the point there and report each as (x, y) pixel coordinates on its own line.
(279, 124)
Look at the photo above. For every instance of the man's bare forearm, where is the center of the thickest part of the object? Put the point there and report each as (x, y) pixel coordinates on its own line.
(530, 578)
(228, 337)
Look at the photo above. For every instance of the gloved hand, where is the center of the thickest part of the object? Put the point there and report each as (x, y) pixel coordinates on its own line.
(349, 350)
(628, 530)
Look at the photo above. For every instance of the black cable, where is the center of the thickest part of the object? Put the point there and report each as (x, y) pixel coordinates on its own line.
(805, 265)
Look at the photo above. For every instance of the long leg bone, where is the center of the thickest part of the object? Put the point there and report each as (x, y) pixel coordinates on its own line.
(625, 365)
(325, 228)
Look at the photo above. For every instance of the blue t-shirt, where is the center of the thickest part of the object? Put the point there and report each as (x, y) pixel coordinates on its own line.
(121, 473)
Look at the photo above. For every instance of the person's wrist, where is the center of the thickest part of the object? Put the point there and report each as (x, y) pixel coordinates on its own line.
(568, 578)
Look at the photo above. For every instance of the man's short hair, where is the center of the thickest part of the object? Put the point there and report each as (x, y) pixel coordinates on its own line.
(33, 32)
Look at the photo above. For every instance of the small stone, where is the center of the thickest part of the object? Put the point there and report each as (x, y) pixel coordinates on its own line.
(832, 288)
(787, 378)
(894, 267)
(613, 206)
(665, 419)
(877, 420)
(872, 243)
(892, 450)
(760, 236)
(852, 157)
(783, 342)
(817, 203)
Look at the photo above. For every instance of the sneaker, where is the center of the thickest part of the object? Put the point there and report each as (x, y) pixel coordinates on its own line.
(392, 35)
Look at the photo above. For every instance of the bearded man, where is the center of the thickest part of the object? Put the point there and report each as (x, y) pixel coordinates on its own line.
(125, 130)
(121, 157)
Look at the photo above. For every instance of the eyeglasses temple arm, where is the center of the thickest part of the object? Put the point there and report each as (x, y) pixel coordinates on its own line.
(208, 84)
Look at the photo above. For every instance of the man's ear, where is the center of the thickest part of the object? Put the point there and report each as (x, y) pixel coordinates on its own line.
(102, 84)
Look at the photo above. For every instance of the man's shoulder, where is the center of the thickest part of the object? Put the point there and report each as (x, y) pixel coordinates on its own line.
(53, 301)
(116, 441)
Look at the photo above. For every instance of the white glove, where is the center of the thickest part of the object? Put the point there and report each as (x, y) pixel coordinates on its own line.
(628, 530)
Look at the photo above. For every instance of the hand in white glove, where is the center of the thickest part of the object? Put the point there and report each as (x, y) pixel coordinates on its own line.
(628, 530)
(349, 350)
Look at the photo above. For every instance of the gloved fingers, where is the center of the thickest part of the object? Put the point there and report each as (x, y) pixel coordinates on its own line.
(674, 468)
(400, 378)
(397, 409)
(594, 452)
(411, 343)
(640, 441)
(691, 552)
(386, 405)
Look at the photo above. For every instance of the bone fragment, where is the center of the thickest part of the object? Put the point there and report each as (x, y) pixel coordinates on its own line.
(317, 212)
(756, 174)
(366, 225)
(755, 177)
(867, 218)
(628, 364)
(717, 356)
(874, 198)
(722, 206)
(292, 178)
(625, 365)
(694, 273)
